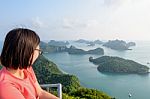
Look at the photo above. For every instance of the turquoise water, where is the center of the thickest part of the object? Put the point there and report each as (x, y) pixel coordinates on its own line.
(116, 85)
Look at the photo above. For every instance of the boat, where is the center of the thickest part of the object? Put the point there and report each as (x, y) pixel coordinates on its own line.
(129, 95)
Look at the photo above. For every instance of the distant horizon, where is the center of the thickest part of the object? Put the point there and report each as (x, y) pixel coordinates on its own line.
(91, 40)
(75, 19)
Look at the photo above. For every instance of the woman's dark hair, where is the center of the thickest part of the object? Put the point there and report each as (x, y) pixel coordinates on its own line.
(18, 48)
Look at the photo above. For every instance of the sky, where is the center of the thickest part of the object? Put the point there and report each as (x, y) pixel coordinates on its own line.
(78, 19)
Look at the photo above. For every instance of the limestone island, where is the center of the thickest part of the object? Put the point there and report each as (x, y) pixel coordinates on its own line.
(52, 48)
(82, 41)
(74, 50)
(90, 43)
(58, 43)
(98, 42)
(118, 44)
(48, 72)
(119, 65)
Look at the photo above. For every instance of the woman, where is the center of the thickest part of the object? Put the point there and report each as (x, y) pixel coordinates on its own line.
(17, 78)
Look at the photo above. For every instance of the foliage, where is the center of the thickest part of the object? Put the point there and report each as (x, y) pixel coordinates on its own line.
(74, 50)
(52, 48)
(118, 44)
(71, 85)
(118, 65)
(86, 93)
(48, 73)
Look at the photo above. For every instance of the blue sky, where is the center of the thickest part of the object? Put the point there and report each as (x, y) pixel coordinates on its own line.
(75, 19)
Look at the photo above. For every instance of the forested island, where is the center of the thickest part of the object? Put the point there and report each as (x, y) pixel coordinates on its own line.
(82, 41)
(89, 42)
(71, 50)
(47, 72)
(118, 44)
(58, 43)
(119, 65)
(74, 50)
(53, 47)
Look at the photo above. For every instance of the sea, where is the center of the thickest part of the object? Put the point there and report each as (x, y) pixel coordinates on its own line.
(119, 86)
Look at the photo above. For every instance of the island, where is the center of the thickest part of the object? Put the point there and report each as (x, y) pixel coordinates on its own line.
(74, 50)
(131, 44)
(48, 72)
(89, 42)
(46, 48)
(118, 65)
(118, 44)
(82, 41)
(92, 43)
(51, 48)
(98, 42)
(58, 43)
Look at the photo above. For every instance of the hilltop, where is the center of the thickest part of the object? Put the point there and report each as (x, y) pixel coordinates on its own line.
(118, 44)
(74, 50)
(119, 65)
(49, 48)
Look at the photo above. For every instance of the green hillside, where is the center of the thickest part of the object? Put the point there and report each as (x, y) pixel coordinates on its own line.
(47, 72)
(118, 65)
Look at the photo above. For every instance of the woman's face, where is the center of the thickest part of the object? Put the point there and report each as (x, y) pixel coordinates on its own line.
(36, 53)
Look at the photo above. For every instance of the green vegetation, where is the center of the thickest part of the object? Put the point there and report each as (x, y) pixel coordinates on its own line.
(82, 41)
(58, 43)
(48, 73)
(74, 50)
(118, 65)
(52, 48)
(86, 93)
(118, 44)
(89, 42)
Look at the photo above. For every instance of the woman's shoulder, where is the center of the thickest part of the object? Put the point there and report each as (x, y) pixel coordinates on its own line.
(2, 74)
(6, 75)
(4, 82)
(9, 90)
(5, 78)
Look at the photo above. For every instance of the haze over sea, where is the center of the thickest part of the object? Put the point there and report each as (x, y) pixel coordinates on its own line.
(116, 85)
